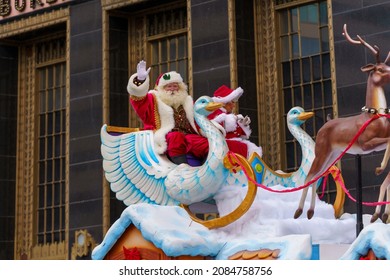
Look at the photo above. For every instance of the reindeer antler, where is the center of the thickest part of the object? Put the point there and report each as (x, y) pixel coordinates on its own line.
(387, 58)
(373, 49)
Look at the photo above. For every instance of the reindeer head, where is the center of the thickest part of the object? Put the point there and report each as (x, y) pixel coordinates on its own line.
(380, 71)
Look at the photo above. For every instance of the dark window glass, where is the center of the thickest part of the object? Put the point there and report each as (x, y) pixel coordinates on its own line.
(286, 74)
(328, 93)
(306, 81)
(326, 66)
(307, 97)
(288, 103)
(297, 96)
(306, 70)
(296, 65)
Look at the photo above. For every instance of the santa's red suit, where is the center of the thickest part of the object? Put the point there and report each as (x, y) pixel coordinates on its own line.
(237, 132)
(175, 131)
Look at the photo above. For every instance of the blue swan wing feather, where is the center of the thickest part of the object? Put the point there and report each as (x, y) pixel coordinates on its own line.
(133, 169)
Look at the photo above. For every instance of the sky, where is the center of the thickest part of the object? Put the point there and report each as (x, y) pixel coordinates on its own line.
(269, 223)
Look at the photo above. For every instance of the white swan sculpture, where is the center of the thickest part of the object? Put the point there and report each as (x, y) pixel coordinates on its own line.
(266, 176)
(136, 173)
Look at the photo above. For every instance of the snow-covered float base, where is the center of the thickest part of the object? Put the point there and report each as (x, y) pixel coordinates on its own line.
(170, 229)
(268, 225)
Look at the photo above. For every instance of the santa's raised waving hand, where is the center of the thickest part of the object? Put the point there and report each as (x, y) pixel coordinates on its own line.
(142, 73)
(138, 84)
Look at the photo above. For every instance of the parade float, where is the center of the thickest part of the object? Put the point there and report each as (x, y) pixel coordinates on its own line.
(254, 202)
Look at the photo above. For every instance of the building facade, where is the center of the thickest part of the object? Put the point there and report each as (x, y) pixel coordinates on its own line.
(64, 71)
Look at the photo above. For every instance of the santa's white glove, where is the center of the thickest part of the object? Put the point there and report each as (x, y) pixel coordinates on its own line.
(142, 73)
(244, 121)
(247, 120)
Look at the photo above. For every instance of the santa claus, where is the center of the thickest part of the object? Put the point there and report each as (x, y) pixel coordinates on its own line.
(168, 111)
(236, 127)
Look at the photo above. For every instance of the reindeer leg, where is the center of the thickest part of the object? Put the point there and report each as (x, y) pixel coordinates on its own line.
(385, 160)
(309, 176)
(314, 170)
(310, 212)
(299, 210)
(385, 184)
(317, 167)
(385, 215)
(327, 161)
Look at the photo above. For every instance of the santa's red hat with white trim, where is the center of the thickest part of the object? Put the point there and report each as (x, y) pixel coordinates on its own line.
(225, 94)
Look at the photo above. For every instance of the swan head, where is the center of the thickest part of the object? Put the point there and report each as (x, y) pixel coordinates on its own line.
(297, 116)
(205, 105)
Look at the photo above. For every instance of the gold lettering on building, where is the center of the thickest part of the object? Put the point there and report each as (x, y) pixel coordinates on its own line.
(20, 6)
(5, 7)
(11, 8)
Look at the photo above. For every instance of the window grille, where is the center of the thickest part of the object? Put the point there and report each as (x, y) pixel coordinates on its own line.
(167, 42)
(51, 181)
(305, 69)
(159, 36)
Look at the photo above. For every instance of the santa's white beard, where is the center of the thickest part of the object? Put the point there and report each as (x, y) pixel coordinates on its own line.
(173, 98)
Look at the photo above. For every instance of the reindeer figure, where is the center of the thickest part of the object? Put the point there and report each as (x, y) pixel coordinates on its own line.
(335, 135)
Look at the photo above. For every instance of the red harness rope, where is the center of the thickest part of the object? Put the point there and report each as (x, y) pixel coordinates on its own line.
(325, 173)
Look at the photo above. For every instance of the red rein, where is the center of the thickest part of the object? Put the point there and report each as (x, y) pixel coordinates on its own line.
(336, 175)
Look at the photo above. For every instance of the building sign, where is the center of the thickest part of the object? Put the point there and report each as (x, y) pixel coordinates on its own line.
(12, 8)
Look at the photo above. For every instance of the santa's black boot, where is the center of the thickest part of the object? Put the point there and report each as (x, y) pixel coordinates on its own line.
(179, 159)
